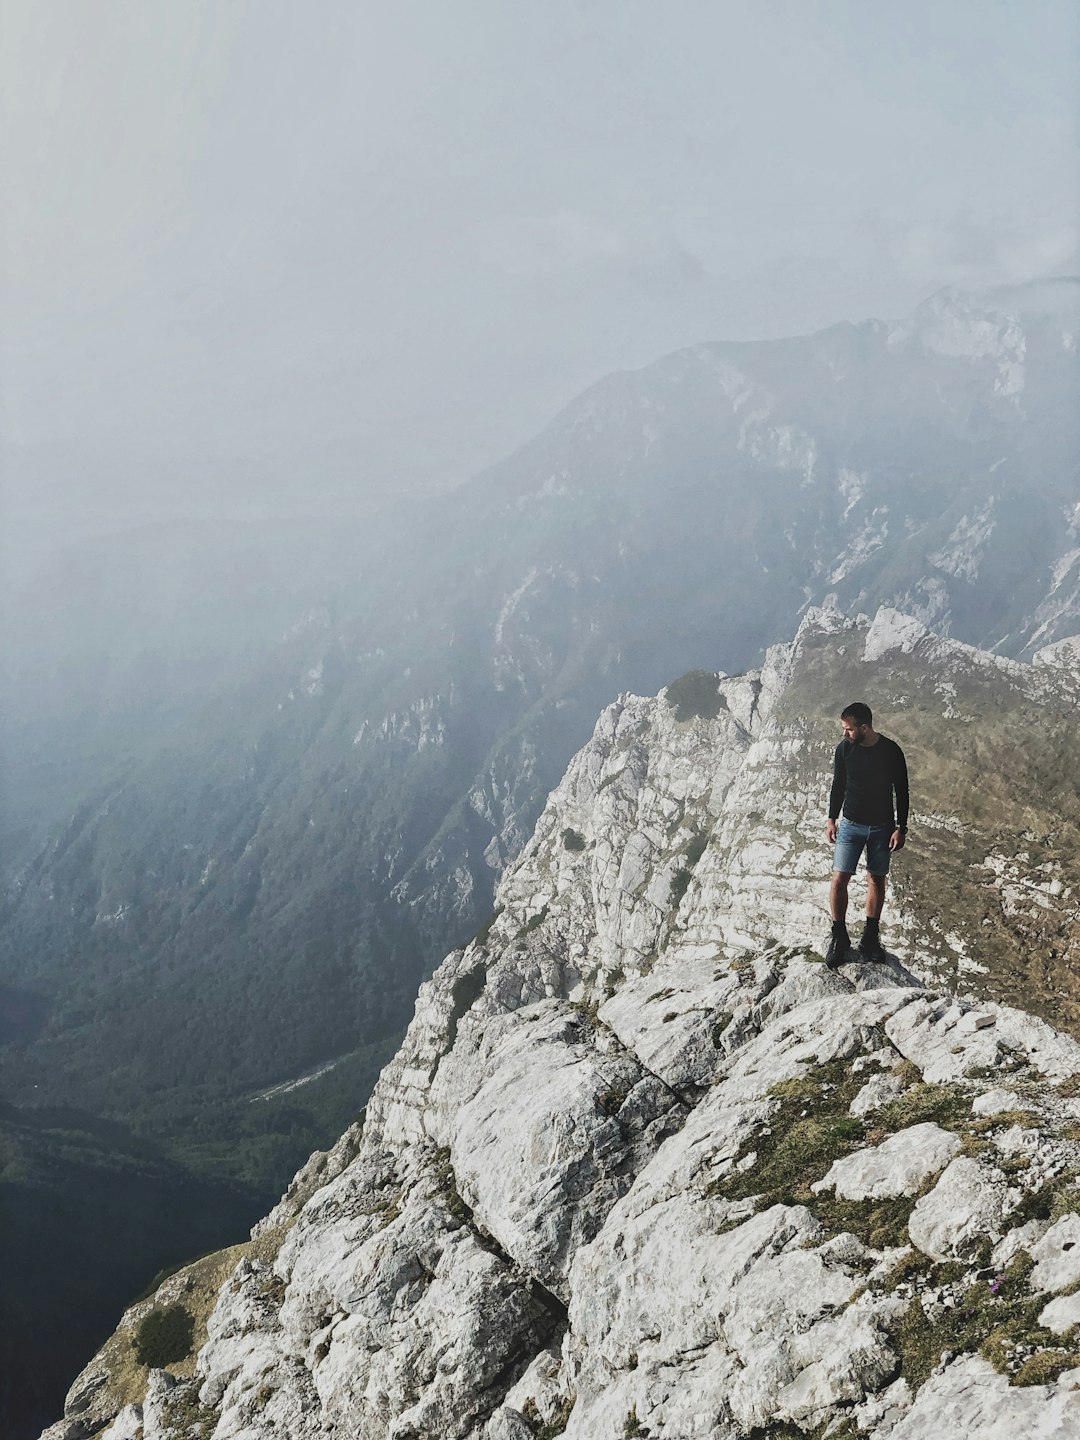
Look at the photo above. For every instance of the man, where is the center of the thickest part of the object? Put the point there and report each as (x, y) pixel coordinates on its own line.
(868, 771)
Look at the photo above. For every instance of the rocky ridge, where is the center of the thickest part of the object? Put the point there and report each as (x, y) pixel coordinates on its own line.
(640, 1170)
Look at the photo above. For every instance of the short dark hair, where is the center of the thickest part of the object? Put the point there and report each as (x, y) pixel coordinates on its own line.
(857, 711)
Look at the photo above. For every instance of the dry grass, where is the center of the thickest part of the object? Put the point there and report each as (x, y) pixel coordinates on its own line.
(196, 1287)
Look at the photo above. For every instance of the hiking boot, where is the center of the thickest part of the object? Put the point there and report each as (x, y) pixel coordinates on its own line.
(836, 954)
(870, 948)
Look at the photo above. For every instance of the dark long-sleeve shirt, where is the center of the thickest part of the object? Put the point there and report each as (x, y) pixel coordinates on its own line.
(865, 778)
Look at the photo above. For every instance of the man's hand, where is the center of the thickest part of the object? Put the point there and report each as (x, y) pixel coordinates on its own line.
(830, 831)
(896, 840)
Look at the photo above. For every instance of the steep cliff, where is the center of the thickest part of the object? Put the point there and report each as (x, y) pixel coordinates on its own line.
(644, 1167)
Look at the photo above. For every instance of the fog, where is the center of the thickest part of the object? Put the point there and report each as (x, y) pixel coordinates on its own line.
(265, 259)
(282, 687)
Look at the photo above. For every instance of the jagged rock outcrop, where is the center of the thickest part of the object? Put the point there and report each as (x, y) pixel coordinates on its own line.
(642, 1168)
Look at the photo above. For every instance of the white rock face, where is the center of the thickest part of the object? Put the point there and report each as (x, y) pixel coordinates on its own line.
(968, 1203)
(969, 1398)
(627, 1172)
(994, 1102)
(898, 1166)
(1057, 1256)
(879, 1090)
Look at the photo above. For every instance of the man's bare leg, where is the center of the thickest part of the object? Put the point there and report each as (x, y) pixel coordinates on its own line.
(870, 944)
(838, 895)
(839, 943)
(875, 896)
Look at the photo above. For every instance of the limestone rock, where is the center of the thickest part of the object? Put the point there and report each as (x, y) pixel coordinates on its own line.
(898, 1166)
(969, 1398)
(968, 1204)
(877, 1091)
(1057, 1256)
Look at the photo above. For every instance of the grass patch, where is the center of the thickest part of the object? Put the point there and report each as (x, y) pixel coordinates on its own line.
(1065, 1201)
(996, 1317)
(1026, 1119)
(534, 921)
(573, 840)
(447, 1181)
(881, 1224)
(696, 695)
(946, 1105)
(809, 1129)
(1044, 1369)
(1052, 1200)
(183, 1412)
(164, 1336)
(481, 936)
(548, 1429)
(680, 883)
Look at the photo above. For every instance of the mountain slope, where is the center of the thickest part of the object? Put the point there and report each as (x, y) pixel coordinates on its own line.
(636, 1171)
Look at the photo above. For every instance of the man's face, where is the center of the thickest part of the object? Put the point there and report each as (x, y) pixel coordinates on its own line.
(853, 731)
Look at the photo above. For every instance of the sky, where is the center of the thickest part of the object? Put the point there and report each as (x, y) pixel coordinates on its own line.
(266, 258)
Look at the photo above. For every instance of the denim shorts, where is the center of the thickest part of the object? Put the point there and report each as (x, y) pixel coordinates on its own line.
(852, 838)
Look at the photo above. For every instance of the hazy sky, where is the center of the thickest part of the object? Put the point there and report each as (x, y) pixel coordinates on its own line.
(262, 254)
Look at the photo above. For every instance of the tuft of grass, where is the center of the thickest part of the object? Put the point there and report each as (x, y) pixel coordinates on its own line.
(1044, 1368)
(997, 1318)
(880, 1224)
(447, 1180)
(633, 1427)
(946, 1105)
(809, 1129)
(680, 883)
(1066, 1199)
(573, 840)
(481, 936)
(696, 695)
(548, 1429)
(1027, 1119)
(164, 1336)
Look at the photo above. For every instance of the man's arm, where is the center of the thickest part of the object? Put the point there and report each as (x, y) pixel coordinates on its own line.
(836, 794)
(900, 786)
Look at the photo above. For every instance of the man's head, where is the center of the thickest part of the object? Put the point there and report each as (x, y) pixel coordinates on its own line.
(857, 719)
